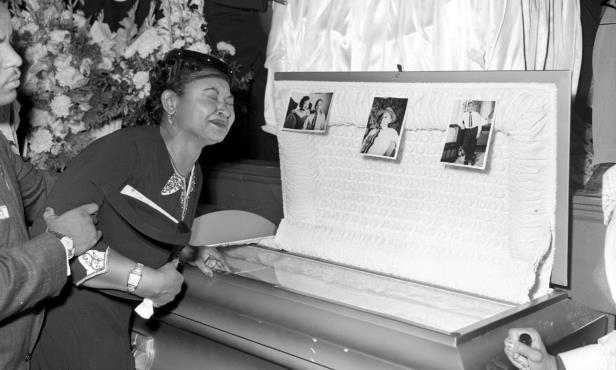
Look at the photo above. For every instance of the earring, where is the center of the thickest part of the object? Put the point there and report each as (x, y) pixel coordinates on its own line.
(170, 118)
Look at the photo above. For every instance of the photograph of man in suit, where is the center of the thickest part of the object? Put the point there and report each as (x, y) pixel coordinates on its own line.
(471, 122)
(30, 269)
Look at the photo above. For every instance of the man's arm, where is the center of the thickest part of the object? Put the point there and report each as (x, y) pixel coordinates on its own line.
(31, 182)
(30, 273)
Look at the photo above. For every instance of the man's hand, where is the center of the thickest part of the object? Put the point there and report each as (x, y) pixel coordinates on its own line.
(528, 358)
(162, 285)
(76, 224)
(210, 260)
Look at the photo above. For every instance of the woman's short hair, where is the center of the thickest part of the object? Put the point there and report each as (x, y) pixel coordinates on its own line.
(389, 111)
(175, 71)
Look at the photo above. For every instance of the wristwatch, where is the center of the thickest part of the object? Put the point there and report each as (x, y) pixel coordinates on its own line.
(66, 241)
(134, 277)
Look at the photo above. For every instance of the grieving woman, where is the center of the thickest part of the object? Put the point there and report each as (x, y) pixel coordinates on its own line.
(382, 139)
(190, 106)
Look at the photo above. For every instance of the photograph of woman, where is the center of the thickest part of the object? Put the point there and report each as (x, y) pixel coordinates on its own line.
(297, 116)
(310, 114)
(316, 119)
(190, 107)
(383, 131)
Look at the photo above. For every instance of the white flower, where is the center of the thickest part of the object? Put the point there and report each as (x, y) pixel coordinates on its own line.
(58, 129)
(225, 47)
(145, 44)
(30, 84)
(178, 44)
(60, 105)
(201, 47)
(49, 13)
(30, 27)
(84, 107)
(17, 22)
(70, 77)
(102, 35)
(193, 27)
(58, 36)
(140, 79)
(62, 60)
(77, 127)
(41, 140)
(56, 148)
(85, 65)
(47, 83)
(33, 5)
(79, 19)
(106, 63)
(39, 117)
(35, 52)
(145, 92)
(66, 15)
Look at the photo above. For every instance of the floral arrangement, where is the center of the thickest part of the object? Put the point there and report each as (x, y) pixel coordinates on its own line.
(83, 81)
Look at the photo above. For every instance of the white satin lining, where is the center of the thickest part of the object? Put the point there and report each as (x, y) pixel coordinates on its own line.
(456, 35)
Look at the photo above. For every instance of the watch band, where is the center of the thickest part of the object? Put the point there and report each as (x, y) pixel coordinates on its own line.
(134, 277)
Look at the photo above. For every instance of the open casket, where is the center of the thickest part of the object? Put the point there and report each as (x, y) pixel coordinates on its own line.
(382, 264)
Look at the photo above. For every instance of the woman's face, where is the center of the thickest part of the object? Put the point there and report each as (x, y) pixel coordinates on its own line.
(9, 60)
(205, 109)
(385, 120)
(306, 104)
(319, 106)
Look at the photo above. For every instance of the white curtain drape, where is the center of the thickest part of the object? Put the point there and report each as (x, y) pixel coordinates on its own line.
(422, 35)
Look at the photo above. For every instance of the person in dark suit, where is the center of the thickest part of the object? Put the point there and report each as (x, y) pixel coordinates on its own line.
(31, 269)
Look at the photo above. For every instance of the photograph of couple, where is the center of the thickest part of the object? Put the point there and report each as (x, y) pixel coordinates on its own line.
(469, 134)
(307, 112)
(384, 127)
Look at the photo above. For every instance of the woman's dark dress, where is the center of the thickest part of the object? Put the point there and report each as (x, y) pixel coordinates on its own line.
(85, 328)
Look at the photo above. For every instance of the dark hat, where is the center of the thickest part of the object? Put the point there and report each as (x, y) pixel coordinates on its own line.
(199, 60)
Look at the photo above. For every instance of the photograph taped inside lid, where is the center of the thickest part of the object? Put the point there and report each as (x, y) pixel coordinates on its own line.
(469, 134)
(384, 127)
(308, 112)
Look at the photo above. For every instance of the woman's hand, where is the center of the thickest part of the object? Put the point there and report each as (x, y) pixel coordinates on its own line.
(162, 285)
(524, 357)
(210, 260)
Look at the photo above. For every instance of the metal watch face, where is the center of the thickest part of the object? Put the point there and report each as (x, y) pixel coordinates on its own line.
(68, 244)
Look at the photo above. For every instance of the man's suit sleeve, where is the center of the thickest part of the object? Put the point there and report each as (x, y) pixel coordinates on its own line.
(30, 273)
(32, 186)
